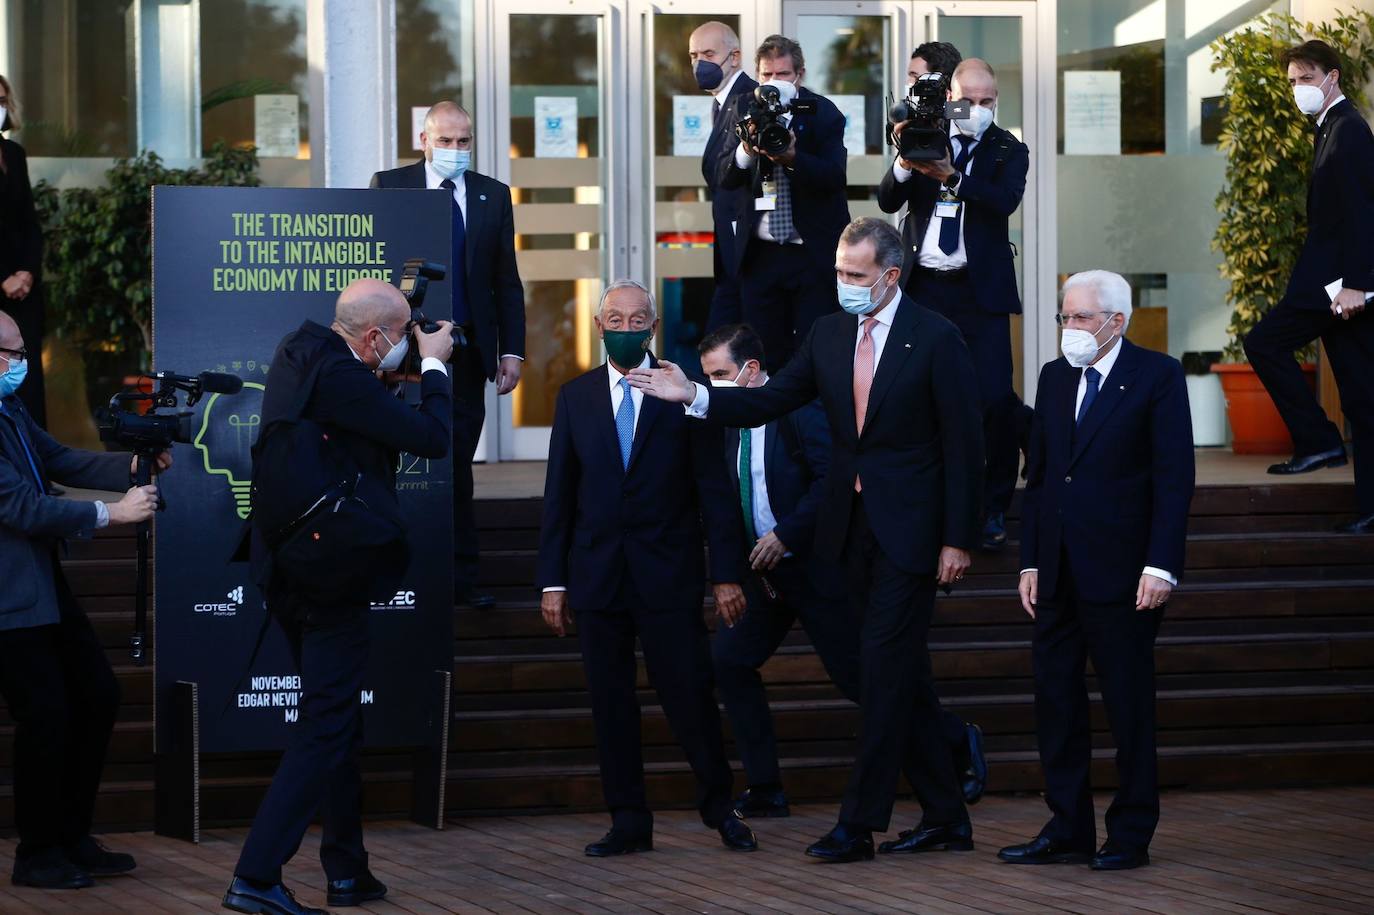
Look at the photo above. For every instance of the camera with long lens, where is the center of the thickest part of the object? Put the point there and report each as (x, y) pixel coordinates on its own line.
(150, 432)
(927, 113)
(761, 124)
(416, 275)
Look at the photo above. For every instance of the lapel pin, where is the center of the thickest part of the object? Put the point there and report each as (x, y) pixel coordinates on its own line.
(1123, 387)
(907, 345)
(481, 196)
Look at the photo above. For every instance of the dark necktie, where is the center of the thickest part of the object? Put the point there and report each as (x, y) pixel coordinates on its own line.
(949, 227)
(1089, 394)
(715, 110)
(746, 483)
(458, 273)
(24, 443)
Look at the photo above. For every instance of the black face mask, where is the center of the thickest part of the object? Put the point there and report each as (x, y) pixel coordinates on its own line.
(709, 75)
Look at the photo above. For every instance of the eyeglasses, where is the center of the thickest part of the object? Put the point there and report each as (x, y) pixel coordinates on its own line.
(21, 353)
(1079, 320)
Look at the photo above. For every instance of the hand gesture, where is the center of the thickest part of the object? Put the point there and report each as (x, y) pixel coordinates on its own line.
(730, 604)
(667, 382)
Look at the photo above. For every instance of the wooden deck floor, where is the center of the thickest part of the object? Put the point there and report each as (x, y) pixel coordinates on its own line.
(1266, 851)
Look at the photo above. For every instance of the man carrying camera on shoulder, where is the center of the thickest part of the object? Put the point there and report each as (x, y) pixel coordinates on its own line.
(54, 675)
(338, 378)
(789, 150)
(959, 258)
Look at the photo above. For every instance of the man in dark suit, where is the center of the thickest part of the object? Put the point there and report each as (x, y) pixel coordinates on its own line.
(1338, 253)
(1103, 533)
(718, 65)
(21, 252)
(54, 674)
(900, 511)
(792, 206)
(488, 304)
(783, 465)
(630, 480)
(959, 262)
(357, 359)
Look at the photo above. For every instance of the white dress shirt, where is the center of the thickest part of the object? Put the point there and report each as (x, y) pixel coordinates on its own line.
(930, 255)
(764, 520)
(701, 404)
(1104, 368)
(613, 377)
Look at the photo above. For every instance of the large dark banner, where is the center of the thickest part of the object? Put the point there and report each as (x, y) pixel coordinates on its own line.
(235, 270)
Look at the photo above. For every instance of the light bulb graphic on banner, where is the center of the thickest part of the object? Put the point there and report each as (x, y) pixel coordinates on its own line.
(228, 429)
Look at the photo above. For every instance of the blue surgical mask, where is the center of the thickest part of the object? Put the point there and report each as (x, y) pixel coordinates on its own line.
(858, 300)
(451, 163)
(14, 376)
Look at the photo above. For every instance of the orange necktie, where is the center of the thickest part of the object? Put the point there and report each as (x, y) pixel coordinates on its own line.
(863, 380)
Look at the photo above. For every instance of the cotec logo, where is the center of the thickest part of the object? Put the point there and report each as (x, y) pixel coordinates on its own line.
(402, 600)
(235, 599)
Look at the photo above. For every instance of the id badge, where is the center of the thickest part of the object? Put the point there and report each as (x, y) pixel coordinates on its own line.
(947, 209)
(766, 202)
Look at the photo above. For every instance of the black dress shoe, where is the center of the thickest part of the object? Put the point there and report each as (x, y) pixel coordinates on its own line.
(1333, 458)
(50, 870)
(736, 835)
(1111, 858)
(994, 532)
(246, 896)
(619, 843)
(1041, 850)
(950, 837)
(466, 597)
(842, 845)
(99, 861)
(356, 890)
(976, 775)
(1363, 525)
(762, 802)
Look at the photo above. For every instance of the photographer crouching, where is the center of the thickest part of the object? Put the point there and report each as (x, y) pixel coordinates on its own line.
(54, 674)
(329, 413)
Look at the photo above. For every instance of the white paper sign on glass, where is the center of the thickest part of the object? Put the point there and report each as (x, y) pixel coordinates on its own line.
(852, 107)
(277, 126)
(555, 127)
(691, 124)
(1092, 113)
(417, 125)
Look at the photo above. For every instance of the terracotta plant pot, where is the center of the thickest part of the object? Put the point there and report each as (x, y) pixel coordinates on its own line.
(1256, 427)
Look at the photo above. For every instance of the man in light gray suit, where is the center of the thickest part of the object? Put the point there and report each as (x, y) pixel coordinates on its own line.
(54, 675)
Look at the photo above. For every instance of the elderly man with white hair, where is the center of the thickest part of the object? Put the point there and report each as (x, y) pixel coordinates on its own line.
(1103, 532)
(631, 484)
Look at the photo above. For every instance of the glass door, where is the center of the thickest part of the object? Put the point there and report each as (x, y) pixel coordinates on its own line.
(555, 143)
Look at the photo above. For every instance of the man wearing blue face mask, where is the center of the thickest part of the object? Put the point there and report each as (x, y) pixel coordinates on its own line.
(900, 512)
(958, 262)
(718, 65)
(488, 305)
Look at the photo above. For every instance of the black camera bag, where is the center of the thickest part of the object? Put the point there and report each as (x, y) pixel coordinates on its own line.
(327, 544)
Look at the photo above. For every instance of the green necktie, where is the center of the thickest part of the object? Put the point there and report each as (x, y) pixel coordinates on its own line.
(746, 483)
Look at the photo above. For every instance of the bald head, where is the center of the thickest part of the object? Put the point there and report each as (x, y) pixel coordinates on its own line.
(369, 303)
(715, 43)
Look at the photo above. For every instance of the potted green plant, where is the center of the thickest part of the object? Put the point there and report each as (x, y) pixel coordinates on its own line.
(1268, 148)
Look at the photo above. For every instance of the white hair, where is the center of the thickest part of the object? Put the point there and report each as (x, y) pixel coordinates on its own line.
(1111, 290)
(628, 284)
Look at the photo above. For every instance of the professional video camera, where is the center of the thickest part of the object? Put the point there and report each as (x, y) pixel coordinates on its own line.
(761, 124)
(147, 435)
(927, 113)
(415, 277)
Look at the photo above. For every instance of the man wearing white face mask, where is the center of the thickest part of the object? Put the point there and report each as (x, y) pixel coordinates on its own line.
(959, 262)
(488, 305)
(1330, 287)
(793, 206)
(1103, 532)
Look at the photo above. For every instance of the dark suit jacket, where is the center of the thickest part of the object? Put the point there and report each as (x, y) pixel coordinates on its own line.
(603, 522)
(991, 192)
(921, 452)
(1340, 211)
(1113, 494)
(795, 461)
(820, 209)
(725, 202)
(368, 421)
(21, 239)
(495, 293)
(32, 522)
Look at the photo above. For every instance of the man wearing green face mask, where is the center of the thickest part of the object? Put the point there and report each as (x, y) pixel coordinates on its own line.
(631, 479)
